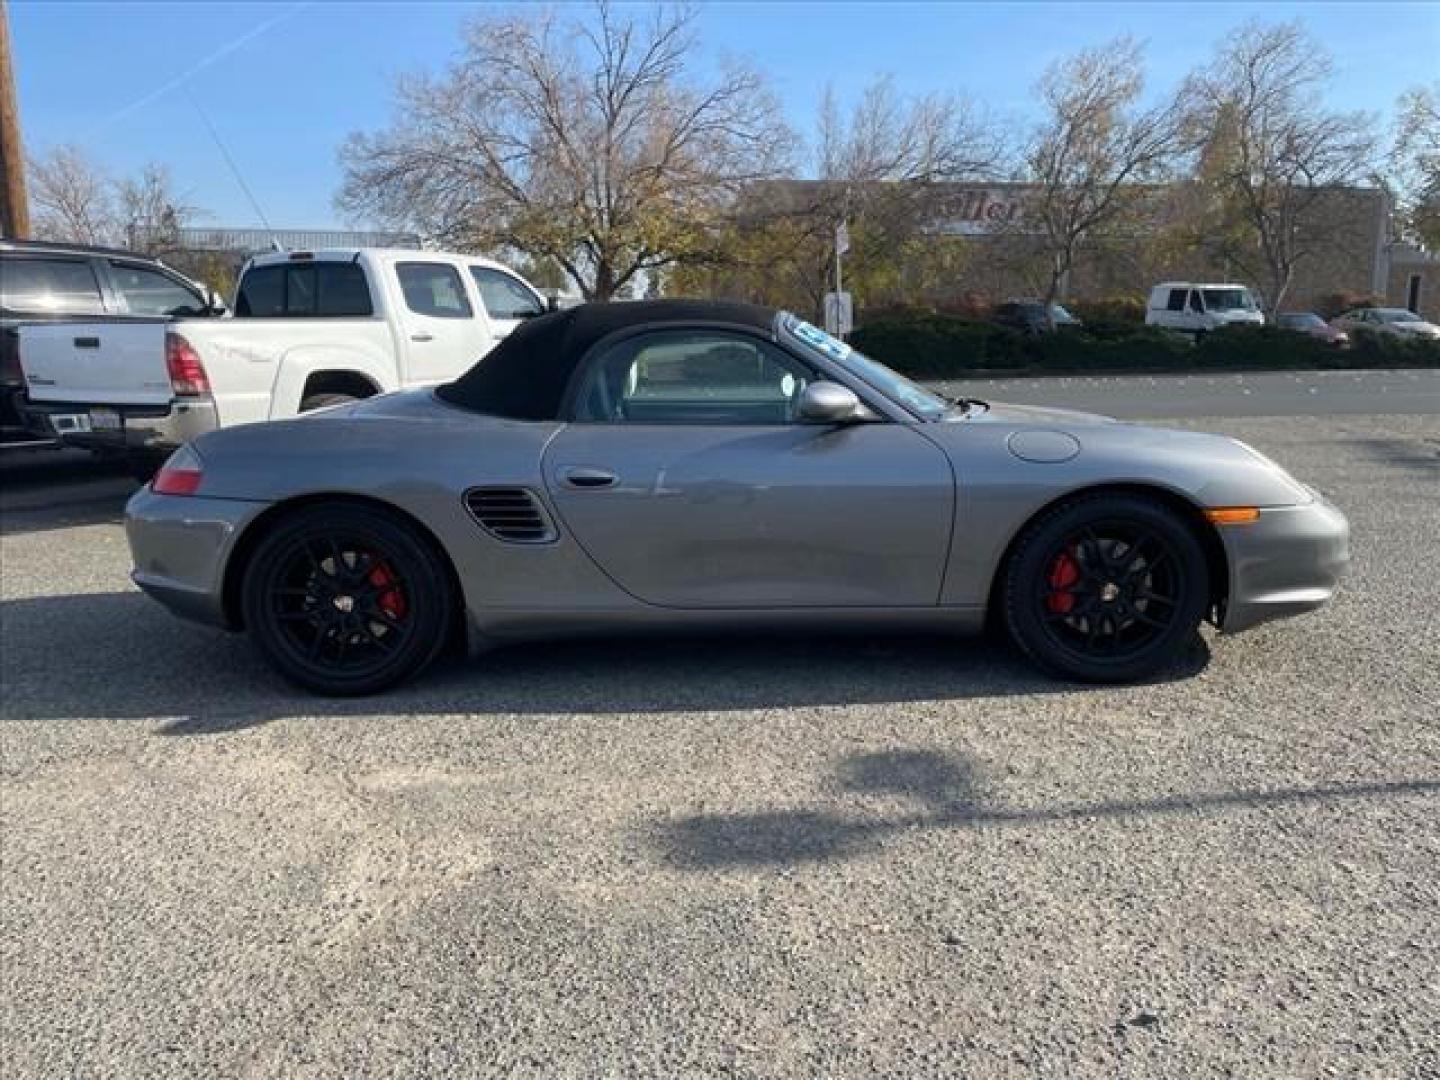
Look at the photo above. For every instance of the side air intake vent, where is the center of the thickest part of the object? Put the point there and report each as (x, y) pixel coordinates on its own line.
(510, 514)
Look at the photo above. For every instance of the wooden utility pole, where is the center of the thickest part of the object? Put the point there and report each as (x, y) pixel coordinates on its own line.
(14, 205)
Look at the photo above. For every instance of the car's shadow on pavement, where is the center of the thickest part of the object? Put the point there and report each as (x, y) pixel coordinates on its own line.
(41, 490)
(118, 655)
(941, 791)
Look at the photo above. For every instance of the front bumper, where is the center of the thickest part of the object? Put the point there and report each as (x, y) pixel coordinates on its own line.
(181, 547)
(1287, 563)
(142, 428)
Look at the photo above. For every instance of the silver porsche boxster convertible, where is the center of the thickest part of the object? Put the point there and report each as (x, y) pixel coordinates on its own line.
(703, 466)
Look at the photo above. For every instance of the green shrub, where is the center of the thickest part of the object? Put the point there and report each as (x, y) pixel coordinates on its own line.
(934, 346)
(1124, 310)
(1337, 303)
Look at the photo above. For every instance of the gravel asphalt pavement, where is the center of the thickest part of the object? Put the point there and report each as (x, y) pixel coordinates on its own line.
(904, 857)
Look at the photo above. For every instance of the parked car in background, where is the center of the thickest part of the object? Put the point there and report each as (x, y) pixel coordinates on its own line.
(1397, 321)
(1307, 322)
(61, 285)
(1198, 309)
(1033, 317)
(310, 329)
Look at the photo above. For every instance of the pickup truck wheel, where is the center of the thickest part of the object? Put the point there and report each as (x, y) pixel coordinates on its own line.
(345, 599)
(324, 401)
(144, 466)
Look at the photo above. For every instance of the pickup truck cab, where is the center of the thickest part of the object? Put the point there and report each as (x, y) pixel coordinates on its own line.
(65, 284)
(310, 329)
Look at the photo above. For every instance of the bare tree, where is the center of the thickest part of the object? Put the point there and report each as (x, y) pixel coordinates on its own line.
(74, 198)
(580, 142)
(882, 168)
(1094, 154)
(78, 201)
(1414, 163)
(150, 211)
(1275, 152)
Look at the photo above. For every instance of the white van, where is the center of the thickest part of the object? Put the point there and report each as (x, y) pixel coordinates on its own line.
(1196, 308)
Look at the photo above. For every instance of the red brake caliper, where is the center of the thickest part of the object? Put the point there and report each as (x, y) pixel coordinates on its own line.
(1063, 574)
(392, 599)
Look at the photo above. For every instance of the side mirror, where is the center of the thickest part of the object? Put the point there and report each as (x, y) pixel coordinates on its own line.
(552, 303)
(216, 303)
(828, 403)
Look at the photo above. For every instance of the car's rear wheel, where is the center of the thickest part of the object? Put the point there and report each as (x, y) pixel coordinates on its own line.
(346, 599)
(1106, 588)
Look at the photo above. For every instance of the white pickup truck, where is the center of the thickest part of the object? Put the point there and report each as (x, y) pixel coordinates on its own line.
(309, 329)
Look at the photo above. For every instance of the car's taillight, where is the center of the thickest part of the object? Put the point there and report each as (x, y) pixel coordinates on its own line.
(180, 475)
(187, 373)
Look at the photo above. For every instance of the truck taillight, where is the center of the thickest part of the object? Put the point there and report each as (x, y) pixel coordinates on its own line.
(187, 373)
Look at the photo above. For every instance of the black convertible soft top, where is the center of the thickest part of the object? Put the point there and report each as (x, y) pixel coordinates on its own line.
(525, 376)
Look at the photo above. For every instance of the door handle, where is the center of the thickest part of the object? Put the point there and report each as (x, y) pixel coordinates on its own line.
(589, 478)
(422, 337)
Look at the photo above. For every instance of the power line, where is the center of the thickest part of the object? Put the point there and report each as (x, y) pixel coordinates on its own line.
(234, 169)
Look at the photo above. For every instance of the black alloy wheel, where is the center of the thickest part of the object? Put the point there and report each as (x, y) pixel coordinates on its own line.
(346, 599)
(1106, 588)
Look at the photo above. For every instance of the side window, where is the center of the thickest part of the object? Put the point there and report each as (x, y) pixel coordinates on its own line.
(1176, 301)
(44, 286)
(333, 290)
(504, 296)
(149, 292)
(692, 377)
(433, 289)
(262, 293)
(342, 291)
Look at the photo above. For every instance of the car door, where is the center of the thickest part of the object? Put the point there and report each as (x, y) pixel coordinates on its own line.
(686, 475)
(508, 300)
(1195, 312)
(441, 333)
(148, 292)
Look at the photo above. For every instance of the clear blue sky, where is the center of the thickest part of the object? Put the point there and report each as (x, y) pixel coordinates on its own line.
(285, 83)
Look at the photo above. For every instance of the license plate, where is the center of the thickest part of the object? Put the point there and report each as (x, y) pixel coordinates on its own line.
(70, 423)
(104, 420)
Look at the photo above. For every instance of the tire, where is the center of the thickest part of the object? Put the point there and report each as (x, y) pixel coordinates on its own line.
(1106, 588)
(345, 599)
(143, 466)
(324, 401)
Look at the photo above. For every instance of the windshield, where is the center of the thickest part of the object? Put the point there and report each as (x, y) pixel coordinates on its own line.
(890, 383)
(1396, 315)
(1228, 300)
(1305, 321)
(1059, 314)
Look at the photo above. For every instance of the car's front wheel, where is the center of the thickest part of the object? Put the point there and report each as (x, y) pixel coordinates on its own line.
(347, 599)
(1106, 588)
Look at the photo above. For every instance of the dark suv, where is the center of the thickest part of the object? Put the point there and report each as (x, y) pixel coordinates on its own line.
(43, 283)
(1029, 317)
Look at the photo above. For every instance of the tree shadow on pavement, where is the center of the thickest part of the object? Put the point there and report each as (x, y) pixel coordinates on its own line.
(120, 655)
(945, 792)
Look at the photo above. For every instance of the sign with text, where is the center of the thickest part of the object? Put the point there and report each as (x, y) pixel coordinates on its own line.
(974, 213)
